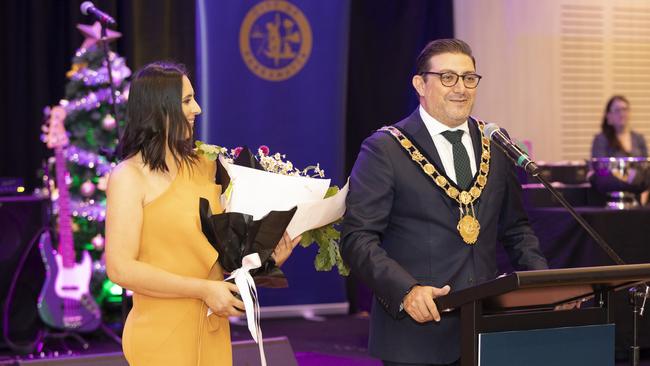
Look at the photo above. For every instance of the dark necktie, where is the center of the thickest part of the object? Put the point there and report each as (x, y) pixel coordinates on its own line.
(461, 159)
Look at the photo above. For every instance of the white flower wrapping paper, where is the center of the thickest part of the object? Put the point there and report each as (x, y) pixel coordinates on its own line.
(257, 192)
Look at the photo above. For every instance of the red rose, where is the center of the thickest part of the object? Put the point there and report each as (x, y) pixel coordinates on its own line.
(236, 151)
(264, 150)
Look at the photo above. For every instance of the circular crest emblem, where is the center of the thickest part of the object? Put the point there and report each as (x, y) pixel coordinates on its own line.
(275, 40)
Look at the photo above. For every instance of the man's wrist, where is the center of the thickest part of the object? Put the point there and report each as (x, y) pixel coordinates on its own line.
(401, 304)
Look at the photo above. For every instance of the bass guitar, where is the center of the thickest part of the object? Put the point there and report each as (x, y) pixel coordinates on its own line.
(65, 301)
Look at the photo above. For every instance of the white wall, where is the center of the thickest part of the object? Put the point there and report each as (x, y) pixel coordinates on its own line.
(549, 67)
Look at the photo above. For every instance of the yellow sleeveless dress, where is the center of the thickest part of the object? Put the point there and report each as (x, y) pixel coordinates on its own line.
(177, 332)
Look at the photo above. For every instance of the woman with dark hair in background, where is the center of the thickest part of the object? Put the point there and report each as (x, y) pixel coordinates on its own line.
(154, 243)
(617, 138)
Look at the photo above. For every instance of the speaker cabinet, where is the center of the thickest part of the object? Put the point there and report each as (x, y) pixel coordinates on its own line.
(22, 219)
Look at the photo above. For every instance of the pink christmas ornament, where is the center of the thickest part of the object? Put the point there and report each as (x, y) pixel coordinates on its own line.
(108, 123)
(87, 188)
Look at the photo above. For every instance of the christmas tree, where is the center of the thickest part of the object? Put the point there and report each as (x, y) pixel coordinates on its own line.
(92, 129)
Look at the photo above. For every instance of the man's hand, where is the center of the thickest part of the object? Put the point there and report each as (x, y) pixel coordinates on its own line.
(419, 303)
(284, 248)
(569, 305)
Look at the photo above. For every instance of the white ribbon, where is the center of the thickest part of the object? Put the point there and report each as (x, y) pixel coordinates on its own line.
(248, 291)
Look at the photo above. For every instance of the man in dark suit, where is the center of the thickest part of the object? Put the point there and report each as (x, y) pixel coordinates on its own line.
(429, 199)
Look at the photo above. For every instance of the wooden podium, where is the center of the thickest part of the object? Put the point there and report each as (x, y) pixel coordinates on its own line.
(511, 320)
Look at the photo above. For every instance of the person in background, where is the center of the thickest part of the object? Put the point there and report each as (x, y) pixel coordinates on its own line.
(154, 243)
(616, 138)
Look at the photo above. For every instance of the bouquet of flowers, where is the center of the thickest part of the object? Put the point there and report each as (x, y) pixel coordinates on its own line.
(322, 230)
(265, 195)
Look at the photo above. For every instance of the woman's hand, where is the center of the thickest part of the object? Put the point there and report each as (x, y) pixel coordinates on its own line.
(218, 296)
(284, 248)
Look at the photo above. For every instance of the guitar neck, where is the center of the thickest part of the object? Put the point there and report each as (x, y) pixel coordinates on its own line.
(66, 243)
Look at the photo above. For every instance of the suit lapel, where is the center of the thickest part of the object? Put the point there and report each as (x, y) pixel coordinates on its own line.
(477, 137)
(475, 134)
(416, 128)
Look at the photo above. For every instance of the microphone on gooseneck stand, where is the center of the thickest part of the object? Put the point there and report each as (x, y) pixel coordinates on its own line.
(501, 139)
(88, 8)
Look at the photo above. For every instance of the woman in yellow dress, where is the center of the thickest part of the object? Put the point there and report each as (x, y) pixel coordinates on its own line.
(154, 243)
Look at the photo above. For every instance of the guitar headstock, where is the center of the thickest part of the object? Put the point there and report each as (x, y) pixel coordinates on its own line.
(55, 134)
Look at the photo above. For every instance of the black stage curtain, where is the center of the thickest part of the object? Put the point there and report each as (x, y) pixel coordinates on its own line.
(385, 38)
(38, 39)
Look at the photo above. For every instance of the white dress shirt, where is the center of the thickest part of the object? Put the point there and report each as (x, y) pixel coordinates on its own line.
(443, 145)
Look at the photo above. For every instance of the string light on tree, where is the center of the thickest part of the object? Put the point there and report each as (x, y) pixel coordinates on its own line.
(98, 242)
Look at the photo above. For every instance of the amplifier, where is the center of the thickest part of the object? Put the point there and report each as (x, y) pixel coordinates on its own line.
(10, 186)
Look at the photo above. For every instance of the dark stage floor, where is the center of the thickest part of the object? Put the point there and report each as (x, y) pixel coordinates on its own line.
(332, 340)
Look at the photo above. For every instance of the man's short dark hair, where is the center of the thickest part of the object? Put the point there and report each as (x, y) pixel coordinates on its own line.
(440, 46)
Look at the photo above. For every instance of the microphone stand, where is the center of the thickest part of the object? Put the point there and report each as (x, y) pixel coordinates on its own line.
(585, 225)
(635, 293)
(113, 102)
(113, 98)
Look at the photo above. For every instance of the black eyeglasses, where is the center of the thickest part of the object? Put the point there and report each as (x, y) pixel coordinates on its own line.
(450, 79)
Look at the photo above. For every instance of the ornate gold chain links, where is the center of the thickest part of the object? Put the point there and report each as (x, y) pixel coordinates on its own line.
(468, 226)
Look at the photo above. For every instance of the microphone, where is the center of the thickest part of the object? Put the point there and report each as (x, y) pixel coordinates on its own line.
(501, 139)
(88, 8)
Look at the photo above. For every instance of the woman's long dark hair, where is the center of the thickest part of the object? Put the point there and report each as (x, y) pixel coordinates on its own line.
(607, 129)
(154, 113)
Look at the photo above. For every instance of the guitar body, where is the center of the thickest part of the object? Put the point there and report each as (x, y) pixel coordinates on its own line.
(64, 301)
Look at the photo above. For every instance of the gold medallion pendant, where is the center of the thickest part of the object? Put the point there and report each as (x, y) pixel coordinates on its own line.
(468, 227)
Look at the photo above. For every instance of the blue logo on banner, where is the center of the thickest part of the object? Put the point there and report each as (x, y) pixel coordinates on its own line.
(275, 40)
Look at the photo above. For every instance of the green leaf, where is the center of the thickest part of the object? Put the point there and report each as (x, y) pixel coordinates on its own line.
(331, 191)
(329, 255)
(307, 239)
(320, 261)
(324, 260)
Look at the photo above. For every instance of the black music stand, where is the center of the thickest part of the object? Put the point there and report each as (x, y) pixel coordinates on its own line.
(511, 320)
